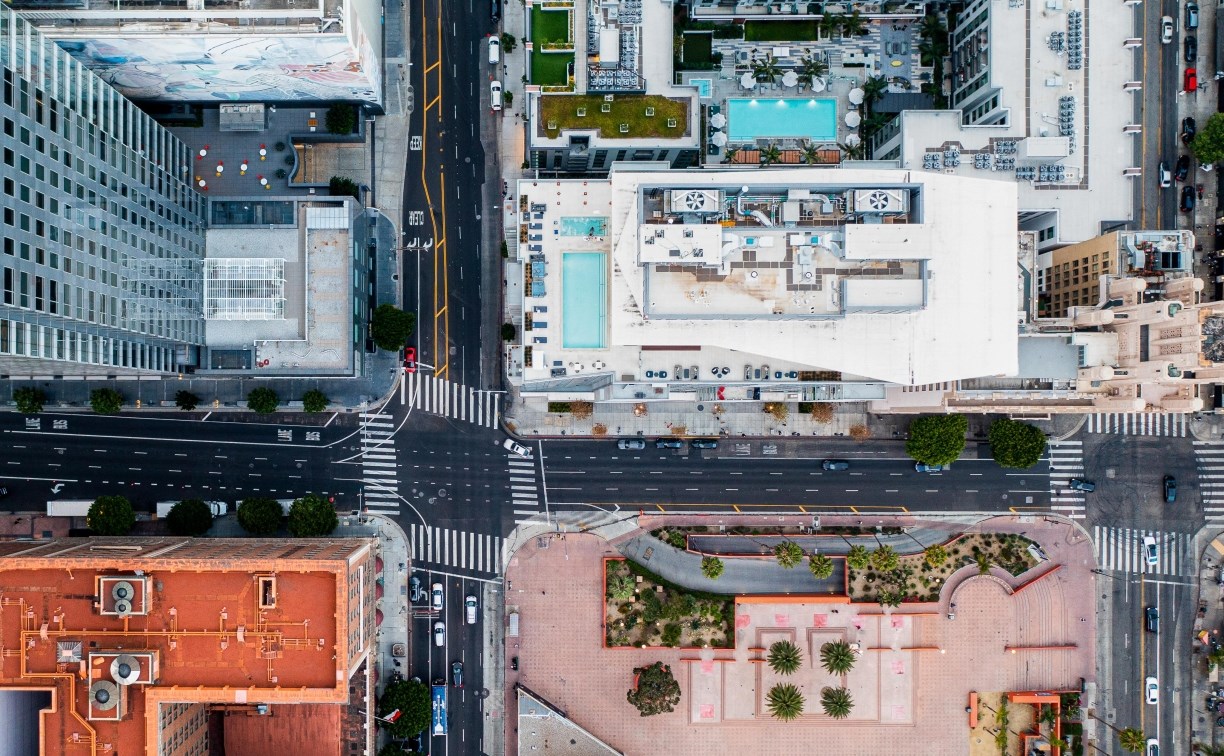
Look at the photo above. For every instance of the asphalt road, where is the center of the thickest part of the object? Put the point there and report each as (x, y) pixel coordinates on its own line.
(1160, 71)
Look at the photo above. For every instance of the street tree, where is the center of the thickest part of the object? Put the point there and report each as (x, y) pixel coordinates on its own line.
(412, 699)
(937, 439)
(821, 566)
(1132, 740)
(1016, 444)
(508, 42)
(189, 517)
(837, 657)
(312, 516)
(784, 701)
(186, 401)
(788, 553)
(712, 567)
(784, 657)
(390, 327)
(111, 516)
(263, 400)
(935, 556)
(1208, 143)
(836, 702)
(105, 401)
(315, 401)
(885, 559)
(29, 400)
(260, 516)
(655, 690)
(858, 558)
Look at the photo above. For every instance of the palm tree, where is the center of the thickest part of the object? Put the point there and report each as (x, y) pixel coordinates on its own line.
(935, 557)
(858, 558)
(769, 156)
(784, 657)
(853, 25)
(811, 155)
(873, 89)
(712, 567)
(766, 69)
(873, 123)
(837, 702)
(857, 152)
(1132, 740)
(837, 657)
(829, 23)
(885, 559)
(811, 69)
(1206, 750)
(932, 27)
(821, 566)
(788, 553)
(785, 701)
(730, 154)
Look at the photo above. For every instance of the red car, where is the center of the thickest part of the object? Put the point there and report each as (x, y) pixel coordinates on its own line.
(1190, 80)
(409, 359)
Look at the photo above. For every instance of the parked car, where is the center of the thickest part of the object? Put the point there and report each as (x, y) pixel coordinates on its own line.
(439, 633)
(1188, 130)
(1170, 489)
(1153, 747)
(410, 359)
(494, 50)
(703, 443)
(631, 443)
(518, 449)
(417, 592)
(1151, 690)
(923, 467)
(1079, 484)
(835, 464)
(514, 663)
(495, 10)
(1163, 175)
(495, 95)
(1190, 80)
(1151, 617)
(669, 443)
(469, 608)
(1149, 551)
(1192, 17)
(457, 674)
(1183, 168)
(1190, 49)
(1187, 199)
(436, 596)
(1166, 29)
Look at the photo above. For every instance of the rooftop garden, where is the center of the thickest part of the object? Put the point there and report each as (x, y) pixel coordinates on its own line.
(552, 53)
(643, 609)
(625, 117)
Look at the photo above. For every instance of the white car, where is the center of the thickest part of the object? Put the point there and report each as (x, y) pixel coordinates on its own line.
(1151, 691)
(1166, 29)
(469, 605)
(522, 451)
(1153, 747)
(494, 50)
(495, 94)
(1149, 551)
(435, 596)
(439, 634)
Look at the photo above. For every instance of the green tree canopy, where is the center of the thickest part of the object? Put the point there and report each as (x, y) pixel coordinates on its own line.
(784, 701)
(414, 703)
(937, 439)
(935, 556)
(341, 119)
(621, 587)
(340, 186)
(821, 566)
(315, 401)
(508, 43)
(390, 327)
(311, 517)
(263, 400)
(788, 553)
(858, 558)
(29, 400)
(837, 657)
(885, 559)
(1132, 740)
(190, 517)
(655, 690)
(1016, 444)
(186, 401)
(784, 657)
(105, 401)
(1208, 143)
(712, 567)
(836, 702)
(111, 516)
(260, 516)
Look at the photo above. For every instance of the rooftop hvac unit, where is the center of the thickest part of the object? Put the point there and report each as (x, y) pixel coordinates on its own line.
(880, 201)
(694, 201)
(123, 607)
(68, 651)
(104, 695)
(123, 591)
(125, 669)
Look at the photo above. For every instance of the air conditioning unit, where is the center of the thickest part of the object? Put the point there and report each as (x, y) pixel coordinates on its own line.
(123, 591)
(694, 201)
(104, 695)
(125, 669)
(123, 607)
(880, 201)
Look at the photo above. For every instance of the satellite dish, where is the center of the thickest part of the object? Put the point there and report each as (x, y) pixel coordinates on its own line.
(104, 695)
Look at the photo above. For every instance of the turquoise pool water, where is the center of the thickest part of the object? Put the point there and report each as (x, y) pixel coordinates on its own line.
(593, 225)
(583, 292)
(750, 119)
(703, 87)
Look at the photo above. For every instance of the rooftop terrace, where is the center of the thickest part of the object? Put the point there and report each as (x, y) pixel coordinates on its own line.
(615, 116)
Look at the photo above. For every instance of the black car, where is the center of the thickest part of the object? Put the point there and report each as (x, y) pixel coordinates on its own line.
(669, 443)
(1190, 49)
(835, 464)
(1188, 130)
(1079, 484)
(457, 674)
(1183, 168)
(1151, 616)
(1187, 199)
(1170, 489)
(703, 443)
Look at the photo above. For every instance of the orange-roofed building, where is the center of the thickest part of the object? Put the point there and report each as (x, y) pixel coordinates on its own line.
(129, 645)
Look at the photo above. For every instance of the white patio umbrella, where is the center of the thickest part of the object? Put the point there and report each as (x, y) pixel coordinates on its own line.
(748, 81)
(790, 79)
(818, 85)
(719, 138)
(855, 96)
(853, 119)
(853, 140)
(718, 120)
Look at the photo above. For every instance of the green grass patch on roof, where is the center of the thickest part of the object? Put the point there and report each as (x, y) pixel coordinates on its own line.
(550, 25)
(550, 69)
(793, 30)
(562, 110)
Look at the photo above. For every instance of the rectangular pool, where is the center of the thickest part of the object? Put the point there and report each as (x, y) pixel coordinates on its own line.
(583, 293)
(749, 119)
(593, 225)
(703, 87)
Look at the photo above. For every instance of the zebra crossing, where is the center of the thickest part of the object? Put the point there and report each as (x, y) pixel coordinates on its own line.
(456, 548)
(1121, 549)
(1067, 462)
(439, 396)
(1138, 423)
(379, 476)
(524, 488)
(1209, 460)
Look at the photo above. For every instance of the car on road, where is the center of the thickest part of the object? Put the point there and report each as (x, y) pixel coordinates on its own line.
(1163, 176)
(669, 443)
(1153, 747)
(1166, 29)
(1170, 489)
(1149, 551)
(1187, 199)
(514, 448)
(1079, 484)
(495, 10)
(457, 674)
(1151, 690)
(835, 464)
(1192, 17)
(436, 596)
(417, 590)
(469, 608)
(494, 50)
(703, 443)
(1190, 80)
(1151, 619)
(1183, 168)
(1188, 130)
(1190, 49)
(924, 467)
(409, 359)
(439, 633)
(631, 443)
(495, 94)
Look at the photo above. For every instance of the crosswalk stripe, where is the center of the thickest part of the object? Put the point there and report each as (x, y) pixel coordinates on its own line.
(1122, 549)
(1138, 423)
(455, 548)
(441, 396)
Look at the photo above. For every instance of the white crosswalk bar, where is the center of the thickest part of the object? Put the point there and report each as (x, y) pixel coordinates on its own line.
(454, 548)
(1141, 423)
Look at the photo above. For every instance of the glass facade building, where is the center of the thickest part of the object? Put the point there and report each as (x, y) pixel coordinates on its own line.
(103, 236)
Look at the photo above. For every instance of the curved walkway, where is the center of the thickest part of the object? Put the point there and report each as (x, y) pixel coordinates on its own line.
(912, 541)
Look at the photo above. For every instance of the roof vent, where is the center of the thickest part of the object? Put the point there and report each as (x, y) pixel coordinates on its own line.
(104, 695)
(125, 669)
(123, 607)
(123, 591)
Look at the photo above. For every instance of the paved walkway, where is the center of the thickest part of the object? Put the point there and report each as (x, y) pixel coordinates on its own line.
(739, 576)
(911, 542)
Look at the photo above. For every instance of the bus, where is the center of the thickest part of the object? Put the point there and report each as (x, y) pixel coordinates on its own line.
(439, 707)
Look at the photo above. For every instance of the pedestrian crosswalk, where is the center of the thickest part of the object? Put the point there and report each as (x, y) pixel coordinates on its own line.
(1209, 461)
(524, 488)
(379, 478)
(439, 396)
(1066, 462)
(1121, 549)
(456, 548)
(1138, 423)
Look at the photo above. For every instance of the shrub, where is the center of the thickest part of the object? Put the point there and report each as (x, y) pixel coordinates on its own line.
(263, 400)
(671, 634)
(260, 516)
(189, 517)
(186, 401)
(315, 401)
(508, 332)
(105, 401)
(784, 657)
(29, 400)
(390, 327)
(312, 517)
(111, 516)
(559, 407)
(339, 186)
(340, 119)
(655, 690)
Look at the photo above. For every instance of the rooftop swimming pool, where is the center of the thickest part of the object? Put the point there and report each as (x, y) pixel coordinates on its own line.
(703, 87)
(592, 225)
(583, 292)
(749, 119)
